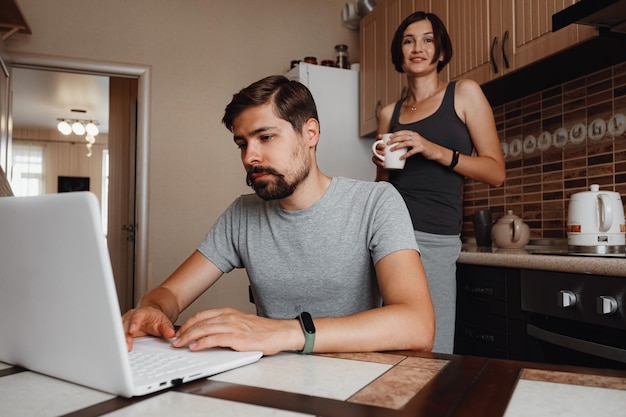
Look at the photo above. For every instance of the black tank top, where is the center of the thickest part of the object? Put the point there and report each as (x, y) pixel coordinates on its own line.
(433, 192)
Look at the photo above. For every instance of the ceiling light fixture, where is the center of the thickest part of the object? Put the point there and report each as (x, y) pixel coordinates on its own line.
(92, 129)
(64, 127)
(80, 127)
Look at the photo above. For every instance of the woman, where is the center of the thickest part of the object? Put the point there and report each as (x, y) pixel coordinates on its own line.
(441, 124)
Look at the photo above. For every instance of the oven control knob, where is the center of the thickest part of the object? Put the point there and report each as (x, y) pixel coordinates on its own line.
(606, 304)
(566, 299)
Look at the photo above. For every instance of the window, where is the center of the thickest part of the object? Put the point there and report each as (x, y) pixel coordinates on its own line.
(28, 170)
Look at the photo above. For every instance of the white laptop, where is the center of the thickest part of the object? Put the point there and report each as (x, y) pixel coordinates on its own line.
(59, 313)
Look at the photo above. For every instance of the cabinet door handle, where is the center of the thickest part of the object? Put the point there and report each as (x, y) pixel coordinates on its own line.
(377, 111)
(505, 58)
(493, 56)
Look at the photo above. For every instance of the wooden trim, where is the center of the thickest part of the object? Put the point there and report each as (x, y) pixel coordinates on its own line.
(121, 209)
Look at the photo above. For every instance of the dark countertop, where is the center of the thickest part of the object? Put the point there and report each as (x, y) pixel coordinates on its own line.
(543, 255)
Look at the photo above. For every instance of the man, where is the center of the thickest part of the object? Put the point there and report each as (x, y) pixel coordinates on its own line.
(338, 250)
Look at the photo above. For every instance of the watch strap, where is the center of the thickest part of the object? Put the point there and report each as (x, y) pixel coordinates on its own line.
(455, 159)
(308, 328)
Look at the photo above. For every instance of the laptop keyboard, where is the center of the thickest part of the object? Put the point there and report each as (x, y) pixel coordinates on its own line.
(148, 365)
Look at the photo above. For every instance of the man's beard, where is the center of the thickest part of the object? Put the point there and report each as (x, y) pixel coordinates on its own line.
(277, 189)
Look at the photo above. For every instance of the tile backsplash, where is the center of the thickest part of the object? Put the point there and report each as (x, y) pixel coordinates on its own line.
(556, 142)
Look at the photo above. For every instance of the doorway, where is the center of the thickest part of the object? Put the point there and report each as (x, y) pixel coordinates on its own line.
(127, 206)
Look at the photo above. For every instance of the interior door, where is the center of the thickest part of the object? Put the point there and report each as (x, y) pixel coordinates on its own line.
(129, 106)
(122, 170)
(5, 114)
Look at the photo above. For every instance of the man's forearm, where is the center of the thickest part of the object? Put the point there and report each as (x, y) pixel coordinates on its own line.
(162, 299)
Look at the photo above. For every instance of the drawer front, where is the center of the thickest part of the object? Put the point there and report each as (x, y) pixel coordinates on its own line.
(474, 339)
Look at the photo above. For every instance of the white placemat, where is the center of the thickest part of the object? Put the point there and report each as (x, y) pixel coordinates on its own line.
(32, 394)
(326, 377)
(540, 398)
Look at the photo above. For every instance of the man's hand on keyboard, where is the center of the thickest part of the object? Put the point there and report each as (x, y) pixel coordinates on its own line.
(227, 327)
(146, 321)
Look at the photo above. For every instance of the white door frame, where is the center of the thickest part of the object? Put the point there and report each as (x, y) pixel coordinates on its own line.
(142, 73)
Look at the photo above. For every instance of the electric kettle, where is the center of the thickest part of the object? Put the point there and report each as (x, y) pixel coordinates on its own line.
(595, 222)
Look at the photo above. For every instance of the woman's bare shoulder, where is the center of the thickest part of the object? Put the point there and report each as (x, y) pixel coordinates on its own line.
(467, 86)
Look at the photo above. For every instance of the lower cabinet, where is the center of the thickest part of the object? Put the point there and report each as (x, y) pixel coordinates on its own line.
(488, 312)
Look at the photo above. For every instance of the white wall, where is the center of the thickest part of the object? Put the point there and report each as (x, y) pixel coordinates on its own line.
(200, 52)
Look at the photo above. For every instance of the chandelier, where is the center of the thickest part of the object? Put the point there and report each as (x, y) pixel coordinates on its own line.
(80, 127)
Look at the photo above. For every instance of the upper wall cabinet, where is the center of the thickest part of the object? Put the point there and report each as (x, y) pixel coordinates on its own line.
(372, 77)
(11, 19)
(490, 38)
(494, 37)
(481, 34)
(380, 83)
(534, 38)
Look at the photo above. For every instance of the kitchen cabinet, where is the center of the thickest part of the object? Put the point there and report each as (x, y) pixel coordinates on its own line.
(488, 312)
(494, 37)
(12, 20)
(372, 72)
(534, 38)
(481, 38)
(491, 38)
(379, 83)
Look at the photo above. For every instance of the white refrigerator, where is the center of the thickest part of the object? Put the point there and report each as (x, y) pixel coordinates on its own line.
(340, 151)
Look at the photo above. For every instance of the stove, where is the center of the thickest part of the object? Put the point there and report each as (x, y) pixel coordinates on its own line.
(565, 252)
(574, 319)
(559, 247)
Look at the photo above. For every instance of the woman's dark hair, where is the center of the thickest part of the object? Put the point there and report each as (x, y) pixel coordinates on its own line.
(292, 101)
(443, 45)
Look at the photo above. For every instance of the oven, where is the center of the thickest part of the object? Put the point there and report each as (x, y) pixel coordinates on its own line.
(574, 319)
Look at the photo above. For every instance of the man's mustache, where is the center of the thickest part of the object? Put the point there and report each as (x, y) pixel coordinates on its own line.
(260, 170)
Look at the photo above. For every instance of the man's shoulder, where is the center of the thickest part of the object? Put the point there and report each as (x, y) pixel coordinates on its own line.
(360, 186)
(247, 202)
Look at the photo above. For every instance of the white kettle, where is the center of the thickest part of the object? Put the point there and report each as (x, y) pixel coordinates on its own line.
(595, 222)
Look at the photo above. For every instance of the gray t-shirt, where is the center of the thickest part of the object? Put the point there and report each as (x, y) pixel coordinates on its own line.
(320, 259)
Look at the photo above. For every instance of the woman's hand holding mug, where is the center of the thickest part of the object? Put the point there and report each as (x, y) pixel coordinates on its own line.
(391, 158)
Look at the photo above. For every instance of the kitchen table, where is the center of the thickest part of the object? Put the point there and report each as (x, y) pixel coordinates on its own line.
(368, 384)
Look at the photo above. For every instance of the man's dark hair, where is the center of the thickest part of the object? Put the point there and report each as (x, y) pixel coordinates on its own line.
(443, 45)
(292, 101)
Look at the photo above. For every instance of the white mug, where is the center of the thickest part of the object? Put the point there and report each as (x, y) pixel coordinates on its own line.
(391, 160)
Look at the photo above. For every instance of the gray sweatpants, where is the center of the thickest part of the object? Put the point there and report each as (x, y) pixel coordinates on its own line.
(439, 255)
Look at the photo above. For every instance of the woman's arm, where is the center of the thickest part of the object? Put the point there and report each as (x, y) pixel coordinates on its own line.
(474, 109)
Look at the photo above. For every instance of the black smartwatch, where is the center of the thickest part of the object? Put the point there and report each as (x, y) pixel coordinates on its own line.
(308, 328)
(455, 159)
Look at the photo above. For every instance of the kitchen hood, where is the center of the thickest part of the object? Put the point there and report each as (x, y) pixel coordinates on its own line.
(609, 16)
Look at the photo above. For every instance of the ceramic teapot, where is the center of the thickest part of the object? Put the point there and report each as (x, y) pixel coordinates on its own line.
(510, 232)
